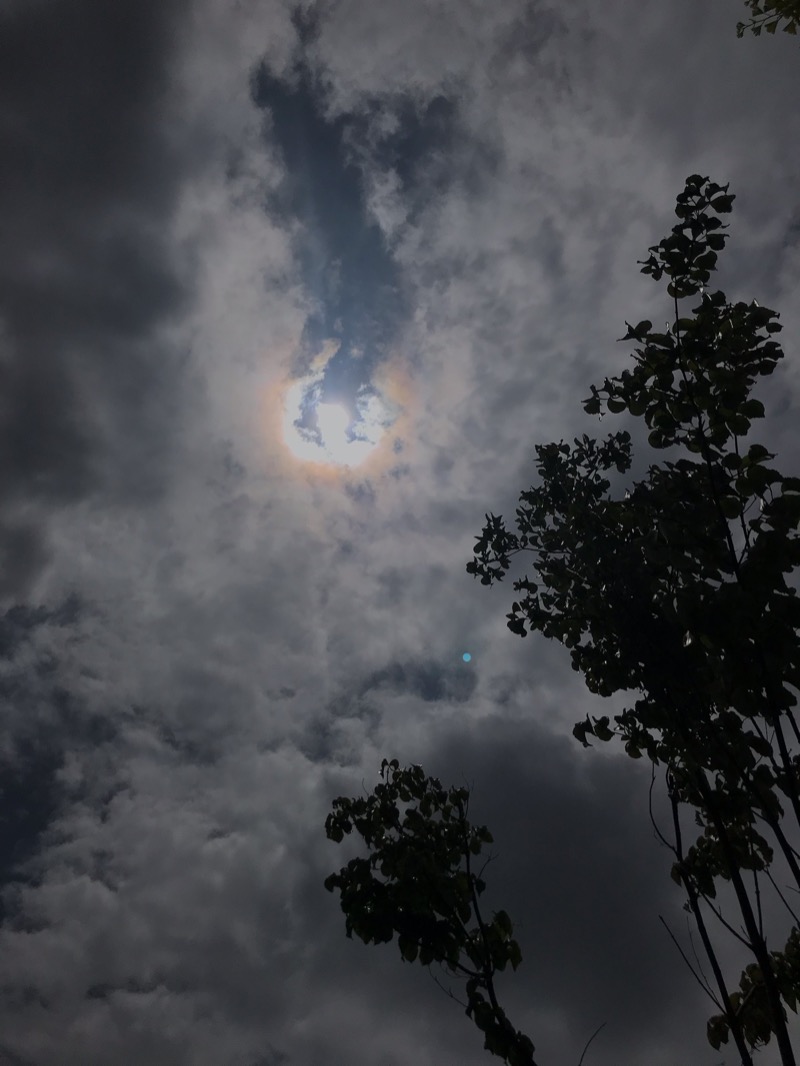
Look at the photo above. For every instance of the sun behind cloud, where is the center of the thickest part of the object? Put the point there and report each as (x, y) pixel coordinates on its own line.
(333, 422)
(333, 436)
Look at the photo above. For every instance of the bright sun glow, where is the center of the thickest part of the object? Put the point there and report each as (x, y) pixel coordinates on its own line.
(337, 439)
(333, 422)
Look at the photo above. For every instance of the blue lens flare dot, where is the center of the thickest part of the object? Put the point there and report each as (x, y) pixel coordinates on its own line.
(466, 657)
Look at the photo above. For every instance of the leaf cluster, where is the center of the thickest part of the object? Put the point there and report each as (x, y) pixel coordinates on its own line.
(769, 15)
(417, 883)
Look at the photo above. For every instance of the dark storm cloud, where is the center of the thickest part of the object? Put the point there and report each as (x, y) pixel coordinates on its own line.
(8, 1058)
(428, 679)
(30, 799)
(41, 721)
(327, 736)
(89, 182)
(22, 553)
(444, 183)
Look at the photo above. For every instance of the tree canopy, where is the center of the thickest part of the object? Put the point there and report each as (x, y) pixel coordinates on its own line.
(677, 591)
(419, 884)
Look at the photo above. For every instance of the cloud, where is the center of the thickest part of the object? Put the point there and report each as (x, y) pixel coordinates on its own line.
(205, 639)
(89, 179)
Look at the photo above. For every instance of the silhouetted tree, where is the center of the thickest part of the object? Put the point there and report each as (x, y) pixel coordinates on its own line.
(675, 591)
(419, 884)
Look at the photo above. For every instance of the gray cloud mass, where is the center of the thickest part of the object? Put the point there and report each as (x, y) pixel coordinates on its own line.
(432, 208)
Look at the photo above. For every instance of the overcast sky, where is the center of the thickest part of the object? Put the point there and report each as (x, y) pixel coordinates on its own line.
(288, 293)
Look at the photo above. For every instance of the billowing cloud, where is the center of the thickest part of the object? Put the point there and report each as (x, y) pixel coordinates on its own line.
(245, 245)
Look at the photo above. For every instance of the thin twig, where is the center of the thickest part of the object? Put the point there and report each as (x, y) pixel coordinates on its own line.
(782, 897)
(447, 991)
(588, 1042)
(717, 912)
(694, 951)
(706, 988)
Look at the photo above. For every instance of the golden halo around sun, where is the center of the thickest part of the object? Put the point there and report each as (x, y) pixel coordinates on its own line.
(320, 440)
